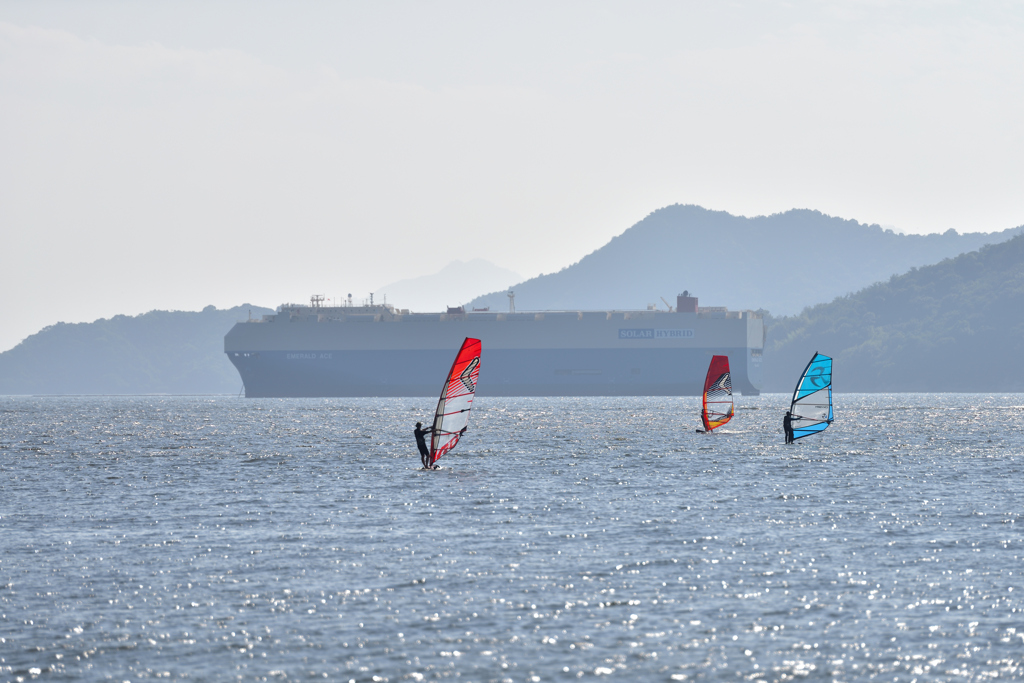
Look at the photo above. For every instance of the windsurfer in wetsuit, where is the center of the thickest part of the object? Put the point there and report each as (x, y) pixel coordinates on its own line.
(421, 443)
(703, 421)
(787, 426)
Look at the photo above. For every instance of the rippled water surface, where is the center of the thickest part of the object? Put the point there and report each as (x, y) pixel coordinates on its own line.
(220, 538)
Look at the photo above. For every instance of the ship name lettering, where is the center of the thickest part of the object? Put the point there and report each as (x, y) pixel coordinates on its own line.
(647, 333)
(636, 333)
(673, 334)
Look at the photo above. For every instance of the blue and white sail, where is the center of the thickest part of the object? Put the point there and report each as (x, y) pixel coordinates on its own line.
(811, 411)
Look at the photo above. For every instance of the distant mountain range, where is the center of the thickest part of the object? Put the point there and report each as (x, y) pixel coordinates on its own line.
(780, 263)
(453, 285)
(952, 326)
(160, 352)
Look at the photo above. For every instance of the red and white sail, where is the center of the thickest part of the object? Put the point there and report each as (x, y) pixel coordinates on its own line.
(718, 405)
(452, 416)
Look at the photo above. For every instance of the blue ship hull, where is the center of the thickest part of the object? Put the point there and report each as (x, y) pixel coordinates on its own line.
(531, 372)
(377, 351)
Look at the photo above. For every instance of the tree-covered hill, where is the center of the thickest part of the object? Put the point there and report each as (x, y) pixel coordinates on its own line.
(172, 352)
(957, 325)
(766, 262)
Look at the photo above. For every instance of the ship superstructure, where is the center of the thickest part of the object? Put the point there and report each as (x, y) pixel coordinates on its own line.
(378, 350)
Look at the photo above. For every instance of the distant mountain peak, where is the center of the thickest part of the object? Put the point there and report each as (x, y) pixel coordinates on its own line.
(455, 284)
(781, 262)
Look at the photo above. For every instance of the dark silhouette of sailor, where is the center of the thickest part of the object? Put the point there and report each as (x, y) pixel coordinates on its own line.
(787, 426)
(704, 421)
(421, 443)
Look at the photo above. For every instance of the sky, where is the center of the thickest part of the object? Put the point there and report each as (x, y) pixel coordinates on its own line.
(172, 155)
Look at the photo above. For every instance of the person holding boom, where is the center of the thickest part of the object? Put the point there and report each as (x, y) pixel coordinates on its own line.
(421, 443)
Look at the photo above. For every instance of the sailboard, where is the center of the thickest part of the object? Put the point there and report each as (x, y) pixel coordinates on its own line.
(452, 416)
(718, 405)
(811, 410)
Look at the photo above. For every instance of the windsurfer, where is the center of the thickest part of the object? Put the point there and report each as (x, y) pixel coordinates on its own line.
(421, 443)
(787, 426)
(704, 421)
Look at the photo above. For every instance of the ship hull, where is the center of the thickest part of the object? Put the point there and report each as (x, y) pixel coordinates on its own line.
(536, 372)
(571, 355)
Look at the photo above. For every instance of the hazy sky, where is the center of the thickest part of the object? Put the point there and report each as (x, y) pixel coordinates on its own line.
(179, 154)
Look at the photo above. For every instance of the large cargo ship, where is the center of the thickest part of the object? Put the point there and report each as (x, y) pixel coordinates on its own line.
(378, 350)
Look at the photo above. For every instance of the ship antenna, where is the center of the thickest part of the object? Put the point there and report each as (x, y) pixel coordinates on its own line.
(511, 301)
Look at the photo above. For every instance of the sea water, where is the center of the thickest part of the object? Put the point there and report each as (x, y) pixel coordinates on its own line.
(217, 538)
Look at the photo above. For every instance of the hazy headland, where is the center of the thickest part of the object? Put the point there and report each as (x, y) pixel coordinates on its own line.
(160, 352)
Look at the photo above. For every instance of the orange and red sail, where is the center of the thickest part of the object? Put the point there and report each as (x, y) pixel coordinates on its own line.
(718, 405)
